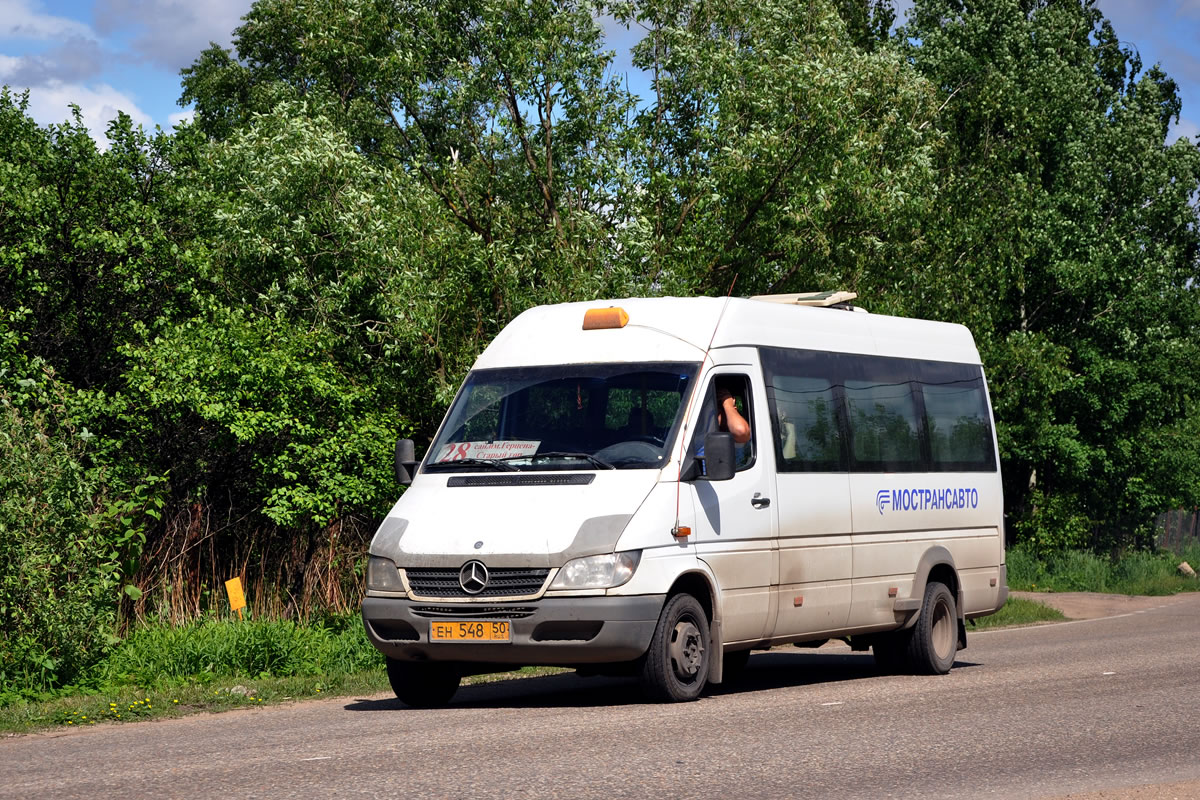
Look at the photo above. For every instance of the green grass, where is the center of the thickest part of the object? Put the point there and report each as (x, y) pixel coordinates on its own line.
(1018, 611)
(132, 704)
(1136, 573)
(161, 656)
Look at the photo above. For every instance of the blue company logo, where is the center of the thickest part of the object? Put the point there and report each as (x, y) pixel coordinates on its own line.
(925, 499)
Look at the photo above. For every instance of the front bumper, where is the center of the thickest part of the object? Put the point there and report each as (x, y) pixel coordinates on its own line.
(558, 631)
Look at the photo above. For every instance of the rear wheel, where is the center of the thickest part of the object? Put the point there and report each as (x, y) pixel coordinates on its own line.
(934, 639)
(675, 668)
(423, 684)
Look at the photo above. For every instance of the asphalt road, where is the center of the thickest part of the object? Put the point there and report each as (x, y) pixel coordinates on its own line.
(1106, 707)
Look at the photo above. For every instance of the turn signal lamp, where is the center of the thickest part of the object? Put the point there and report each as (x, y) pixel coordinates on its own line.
(596, 318)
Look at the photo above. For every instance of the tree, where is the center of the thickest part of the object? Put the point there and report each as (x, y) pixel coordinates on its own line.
(502, 113)
(776, 152)
(1065, 237)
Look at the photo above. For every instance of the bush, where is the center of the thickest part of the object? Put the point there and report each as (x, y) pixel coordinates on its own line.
(60, 553)
(160, 656)
(1135, 572)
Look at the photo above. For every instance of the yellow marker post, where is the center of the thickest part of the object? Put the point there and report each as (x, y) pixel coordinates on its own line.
(237, 599)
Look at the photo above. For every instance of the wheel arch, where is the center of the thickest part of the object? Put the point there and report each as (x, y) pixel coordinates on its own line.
(700, 586)
(703, 586)
(936, 564)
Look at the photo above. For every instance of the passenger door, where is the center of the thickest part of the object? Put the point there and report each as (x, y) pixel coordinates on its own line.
(735, 523)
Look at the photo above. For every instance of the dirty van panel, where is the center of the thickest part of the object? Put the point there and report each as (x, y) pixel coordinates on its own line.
(735, 519)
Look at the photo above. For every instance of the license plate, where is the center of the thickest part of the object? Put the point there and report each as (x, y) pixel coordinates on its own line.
(471, 630)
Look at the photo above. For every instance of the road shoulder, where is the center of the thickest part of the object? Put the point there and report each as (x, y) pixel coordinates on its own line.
(1093, 605)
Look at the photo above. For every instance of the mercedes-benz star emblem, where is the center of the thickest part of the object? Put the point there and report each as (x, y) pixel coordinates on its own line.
(473, 577)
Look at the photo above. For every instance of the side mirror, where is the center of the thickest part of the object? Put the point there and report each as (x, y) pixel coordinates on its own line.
(719, 457)
(406, 461)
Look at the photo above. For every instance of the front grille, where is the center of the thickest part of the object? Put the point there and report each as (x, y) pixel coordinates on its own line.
(502, 582)
(481, 612)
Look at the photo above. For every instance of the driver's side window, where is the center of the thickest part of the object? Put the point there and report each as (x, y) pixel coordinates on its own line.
(712, 417)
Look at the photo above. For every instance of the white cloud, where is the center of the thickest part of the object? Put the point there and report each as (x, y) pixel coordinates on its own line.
(24, 19)
(76, 59)
(8, 65)
(99, 105)
(171, 33)
(181, 117)
(1185, 127)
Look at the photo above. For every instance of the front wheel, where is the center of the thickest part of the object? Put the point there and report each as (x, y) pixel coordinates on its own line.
(676, 665)
(423, 684)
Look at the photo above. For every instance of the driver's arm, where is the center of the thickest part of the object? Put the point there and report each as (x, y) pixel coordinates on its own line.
(730, 419)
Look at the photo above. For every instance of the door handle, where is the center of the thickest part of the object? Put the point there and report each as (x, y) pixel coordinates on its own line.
(759, 501)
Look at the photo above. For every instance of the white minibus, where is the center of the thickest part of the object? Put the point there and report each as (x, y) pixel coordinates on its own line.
(582, 504)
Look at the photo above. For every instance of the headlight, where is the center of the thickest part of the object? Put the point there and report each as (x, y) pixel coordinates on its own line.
(382, 575)
(597, 572)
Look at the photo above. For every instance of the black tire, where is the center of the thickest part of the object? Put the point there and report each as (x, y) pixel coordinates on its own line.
(675, 668)
(933, 641)
(423, 684)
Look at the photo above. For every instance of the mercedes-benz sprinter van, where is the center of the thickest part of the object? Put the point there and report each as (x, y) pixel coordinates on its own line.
(583, 504)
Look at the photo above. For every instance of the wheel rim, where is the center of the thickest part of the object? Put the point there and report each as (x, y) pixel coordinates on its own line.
(687, 649)
(942, 634)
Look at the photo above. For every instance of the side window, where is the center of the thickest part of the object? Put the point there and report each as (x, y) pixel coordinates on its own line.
(885, 429)
(956, 418)
(709, 420)
(802, 391)
(834, 412)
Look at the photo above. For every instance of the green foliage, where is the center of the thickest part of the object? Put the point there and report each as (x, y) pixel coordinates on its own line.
(1136, 572)
(67, 548)
(775, 152)
(1064, 237)
(1018, 611)
(159, 656)
(210, 339)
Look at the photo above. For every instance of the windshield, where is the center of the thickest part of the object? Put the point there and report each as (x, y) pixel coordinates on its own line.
(573, 416)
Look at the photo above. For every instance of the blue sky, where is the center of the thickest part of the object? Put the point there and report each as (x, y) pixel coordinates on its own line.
(106, 55)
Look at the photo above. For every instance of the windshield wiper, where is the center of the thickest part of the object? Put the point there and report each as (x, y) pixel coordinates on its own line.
(596, 462)
(494, 463)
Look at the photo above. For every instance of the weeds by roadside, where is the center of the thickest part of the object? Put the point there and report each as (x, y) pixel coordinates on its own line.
(1018, 611)
(1135, 573)
(129, 703)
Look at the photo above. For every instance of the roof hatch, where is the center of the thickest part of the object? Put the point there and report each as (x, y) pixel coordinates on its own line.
(819, 299)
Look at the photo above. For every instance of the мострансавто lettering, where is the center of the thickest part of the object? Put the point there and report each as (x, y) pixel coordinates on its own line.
(926, 499)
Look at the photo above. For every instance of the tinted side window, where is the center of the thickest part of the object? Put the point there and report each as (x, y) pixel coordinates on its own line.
(834, 412)
(803, 395)
(885, 428)
(956, 418)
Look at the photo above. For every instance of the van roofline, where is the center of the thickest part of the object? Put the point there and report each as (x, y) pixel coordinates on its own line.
(685, 328)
